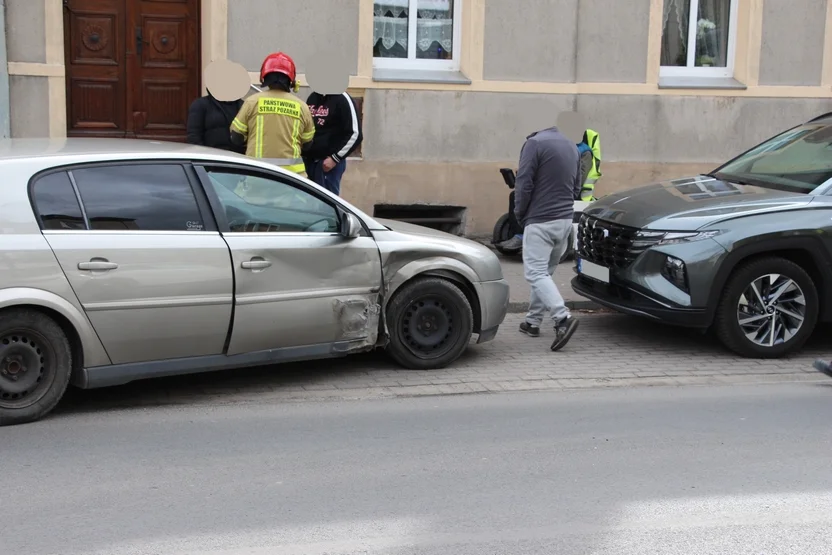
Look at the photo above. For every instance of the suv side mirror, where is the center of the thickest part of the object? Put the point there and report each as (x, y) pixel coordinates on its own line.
(350, 226)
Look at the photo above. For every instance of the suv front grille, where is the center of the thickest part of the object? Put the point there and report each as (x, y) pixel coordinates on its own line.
(610, 244)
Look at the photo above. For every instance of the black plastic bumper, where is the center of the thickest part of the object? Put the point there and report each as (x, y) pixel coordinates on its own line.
(629, 301)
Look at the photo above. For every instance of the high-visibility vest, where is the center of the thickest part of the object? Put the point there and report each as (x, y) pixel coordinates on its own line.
(593, 141)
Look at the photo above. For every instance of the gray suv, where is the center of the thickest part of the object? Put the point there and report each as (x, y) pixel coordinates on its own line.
(745, 250)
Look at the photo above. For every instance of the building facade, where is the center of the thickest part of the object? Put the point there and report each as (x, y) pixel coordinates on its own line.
(448, 89)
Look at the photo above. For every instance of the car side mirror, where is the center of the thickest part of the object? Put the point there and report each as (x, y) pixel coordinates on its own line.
(350, 226)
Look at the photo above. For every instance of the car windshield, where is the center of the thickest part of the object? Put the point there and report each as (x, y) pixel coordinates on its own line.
(798, 160)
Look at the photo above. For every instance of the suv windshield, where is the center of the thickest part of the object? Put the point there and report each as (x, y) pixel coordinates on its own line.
(798, 160)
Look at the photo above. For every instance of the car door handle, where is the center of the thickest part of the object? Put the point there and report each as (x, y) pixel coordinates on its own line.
(97, 265)
(256, 264)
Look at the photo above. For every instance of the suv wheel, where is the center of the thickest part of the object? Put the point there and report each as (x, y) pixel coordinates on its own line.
(430, 322)
(35, 365)
(769, 309)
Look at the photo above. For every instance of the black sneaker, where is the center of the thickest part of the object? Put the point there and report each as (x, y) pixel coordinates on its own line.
(824, 367)
(530, 330)
(563, 332)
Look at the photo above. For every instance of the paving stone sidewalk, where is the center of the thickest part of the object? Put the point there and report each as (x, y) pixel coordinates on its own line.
(608, 350)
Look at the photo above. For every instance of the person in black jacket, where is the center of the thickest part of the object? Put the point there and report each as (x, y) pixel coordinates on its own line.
(210, 116)
(209, 120)
(337, 134)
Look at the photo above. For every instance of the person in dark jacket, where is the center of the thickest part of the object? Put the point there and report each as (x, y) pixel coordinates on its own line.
(337, 127)
(210, 116)
(209, 120)
(337, 135)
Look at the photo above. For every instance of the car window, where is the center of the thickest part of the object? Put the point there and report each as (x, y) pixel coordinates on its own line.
(56, 203)
(142, 197)
(798, 160)
(254, 203)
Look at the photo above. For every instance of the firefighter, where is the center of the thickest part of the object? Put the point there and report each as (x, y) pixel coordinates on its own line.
(275, 124)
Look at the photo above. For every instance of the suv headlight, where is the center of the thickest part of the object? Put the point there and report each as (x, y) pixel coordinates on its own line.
(656, 238)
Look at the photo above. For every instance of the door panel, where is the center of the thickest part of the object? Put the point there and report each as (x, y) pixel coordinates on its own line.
(165, 70)
(133, 67)
(298, 282)
(302, 298)
(95, 55)
(170, 295)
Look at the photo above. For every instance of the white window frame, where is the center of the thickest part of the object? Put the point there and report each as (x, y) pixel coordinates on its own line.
(412, 62)
(690, 70)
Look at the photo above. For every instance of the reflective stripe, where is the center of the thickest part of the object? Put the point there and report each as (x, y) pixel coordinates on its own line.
(240, 126)
(295, 165)
(308, 136)
(258, 142)
(590, 181)
(297, 168)
(295, 138)
(284, 161)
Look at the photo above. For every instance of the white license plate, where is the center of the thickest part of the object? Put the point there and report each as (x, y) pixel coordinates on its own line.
(593, 271)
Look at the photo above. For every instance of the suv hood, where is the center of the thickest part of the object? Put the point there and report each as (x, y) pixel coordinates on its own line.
(691, 203)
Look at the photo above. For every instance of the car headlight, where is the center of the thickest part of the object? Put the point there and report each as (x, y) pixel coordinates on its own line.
(656, 238)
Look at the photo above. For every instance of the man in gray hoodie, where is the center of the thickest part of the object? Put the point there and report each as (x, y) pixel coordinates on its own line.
(547, 184)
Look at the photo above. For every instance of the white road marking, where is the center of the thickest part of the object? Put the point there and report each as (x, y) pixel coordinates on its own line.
(731, 525)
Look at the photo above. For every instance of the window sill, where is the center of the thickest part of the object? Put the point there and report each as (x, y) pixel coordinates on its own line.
(700, 83)
(419, 76)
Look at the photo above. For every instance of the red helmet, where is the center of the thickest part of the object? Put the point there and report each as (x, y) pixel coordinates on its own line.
(278, 63)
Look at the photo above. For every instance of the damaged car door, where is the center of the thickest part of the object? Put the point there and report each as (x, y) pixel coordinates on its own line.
(299, 281)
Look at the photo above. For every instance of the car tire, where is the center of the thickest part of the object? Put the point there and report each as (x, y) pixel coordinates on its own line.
(35, 365)
(436, 310)
(501, 233)
(734, 306)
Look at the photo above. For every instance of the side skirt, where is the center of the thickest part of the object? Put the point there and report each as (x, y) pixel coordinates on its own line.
(119, 374)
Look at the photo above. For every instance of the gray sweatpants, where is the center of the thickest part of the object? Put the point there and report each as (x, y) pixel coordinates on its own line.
(543, 246)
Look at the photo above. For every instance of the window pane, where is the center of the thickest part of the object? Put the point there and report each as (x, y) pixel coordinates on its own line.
(56, 202)
(798, 160)
(675, 32)
(257, 204)
(138, 197)
(390, 28)
(712, 33)
(435, 29)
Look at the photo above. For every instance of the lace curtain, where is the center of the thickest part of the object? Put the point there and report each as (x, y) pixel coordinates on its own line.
(711, 33)
(434, 24)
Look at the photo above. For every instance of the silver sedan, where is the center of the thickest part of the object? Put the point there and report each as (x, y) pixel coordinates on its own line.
(124, 260)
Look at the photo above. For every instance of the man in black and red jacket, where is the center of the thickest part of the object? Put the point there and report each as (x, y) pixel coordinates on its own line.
(337, 135)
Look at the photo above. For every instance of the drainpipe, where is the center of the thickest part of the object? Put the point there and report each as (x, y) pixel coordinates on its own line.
(5, 122)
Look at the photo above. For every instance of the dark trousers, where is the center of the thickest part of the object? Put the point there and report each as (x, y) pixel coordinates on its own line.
(514, 227)
(331, 180)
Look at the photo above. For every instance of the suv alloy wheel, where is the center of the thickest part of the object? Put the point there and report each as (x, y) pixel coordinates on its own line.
(769, 309)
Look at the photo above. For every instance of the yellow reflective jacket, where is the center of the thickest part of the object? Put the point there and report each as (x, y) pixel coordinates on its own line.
(275, 125)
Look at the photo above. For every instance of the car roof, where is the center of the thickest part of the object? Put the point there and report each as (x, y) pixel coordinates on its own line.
(105, 149)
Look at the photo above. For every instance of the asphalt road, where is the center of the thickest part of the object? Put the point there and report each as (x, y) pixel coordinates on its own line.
(714, 470)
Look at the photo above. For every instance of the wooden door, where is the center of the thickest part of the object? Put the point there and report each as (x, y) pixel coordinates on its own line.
(133, 67)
